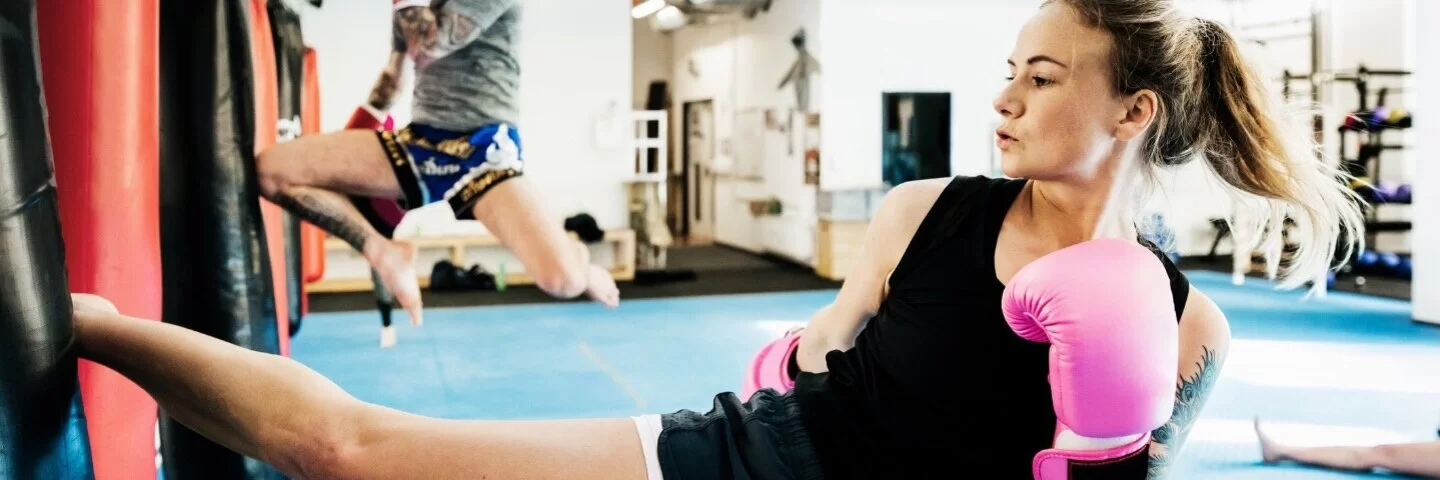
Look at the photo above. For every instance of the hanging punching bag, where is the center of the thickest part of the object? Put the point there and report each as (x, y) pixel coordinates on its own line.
(104, 113)
(216, 268)
(262, 64)
(312, 237)
(42, 423)
(290, 77)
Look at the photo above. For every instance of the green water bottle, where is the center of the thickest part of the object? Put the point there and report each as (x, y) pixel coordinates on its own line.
(501, 278)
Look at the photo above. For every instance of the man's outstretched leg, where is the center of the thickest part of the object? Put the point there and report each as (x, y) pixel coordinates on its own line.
(310, 176)
(275, 409)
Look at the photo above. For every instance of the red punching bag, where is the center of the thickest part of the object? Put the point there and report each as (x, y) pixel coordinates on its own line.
(267, 113)
(312, 237)
(102, 60)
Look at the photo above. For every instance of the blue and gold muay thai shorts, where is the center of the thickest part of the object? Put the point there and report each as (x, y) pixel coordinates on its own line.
(434, 164)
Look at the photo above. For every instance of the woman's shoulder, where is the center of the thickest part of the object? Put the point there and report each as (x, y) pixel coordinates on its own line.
(924, 193)
(907, 204)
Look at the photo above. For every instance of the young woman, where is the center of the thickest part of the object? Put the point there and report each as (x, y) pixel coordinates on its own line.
(912, 371)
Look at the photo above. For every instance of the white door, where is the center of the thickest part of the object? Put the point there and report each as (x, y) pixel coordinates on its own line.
(699, 171)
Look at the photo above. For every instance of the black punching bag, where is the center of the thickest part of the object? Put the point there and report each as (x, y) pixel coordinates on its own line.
(290, 68)
(42, 423)
(216, 272)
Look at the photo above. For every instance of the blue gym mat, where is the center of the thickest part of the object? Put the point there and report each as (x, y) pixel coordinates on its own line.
(1343, 369)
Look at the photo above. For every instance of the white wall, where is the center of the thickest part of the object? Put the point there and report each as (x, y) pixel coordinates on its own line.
(350, 41)
(911, 46)
(738, 65)
(654, 60)
(1426, 260)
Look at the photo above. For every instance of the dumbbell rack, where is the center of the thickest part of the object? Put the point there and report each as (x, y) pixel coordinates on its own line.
(1367, 163)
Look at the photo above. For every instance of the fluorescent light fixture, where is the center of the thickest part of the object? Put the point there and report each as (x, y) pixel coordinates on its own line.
(669, 18)
(645, 9)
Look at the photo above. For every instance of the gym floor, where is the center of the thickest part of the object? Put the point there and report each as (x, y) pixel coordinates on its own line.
(1347, 369)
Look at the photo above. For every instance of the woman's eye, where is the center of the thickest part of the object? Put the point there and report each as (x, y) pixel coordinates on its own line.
(1040, 81)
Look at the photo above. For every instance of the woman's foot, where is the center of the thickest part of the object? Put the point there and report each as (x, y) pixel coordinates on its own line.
(602, 287)
(394, 261)
(1270, 452)
(87, 303)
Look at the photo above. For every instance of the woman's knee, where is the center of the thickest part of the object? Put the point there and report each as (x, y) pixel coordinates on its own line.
(1404, 457)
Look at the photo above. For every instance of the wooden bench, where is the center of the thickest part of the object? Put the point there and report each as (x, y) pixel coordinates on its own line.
(623, 267)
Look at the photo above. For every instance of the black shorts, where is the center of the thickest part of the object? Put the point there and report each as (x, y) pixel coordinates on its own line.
(761, 439)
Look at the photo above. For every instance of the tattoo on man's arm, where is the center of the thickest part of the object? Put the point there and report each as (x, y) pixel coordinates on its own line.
(382, 96)
(1190, 396)
(327, 210)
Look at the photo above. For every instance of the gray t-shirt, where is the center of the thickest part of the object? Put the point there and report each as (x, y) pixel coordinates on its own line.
(471, 77)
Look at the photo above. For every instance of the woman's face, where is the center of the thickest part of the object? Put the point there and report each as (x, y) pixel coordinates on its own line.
(1058, 111)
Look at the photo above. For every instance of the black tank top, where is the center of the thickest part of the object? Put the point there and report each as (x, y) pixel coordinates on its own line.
(937, 385)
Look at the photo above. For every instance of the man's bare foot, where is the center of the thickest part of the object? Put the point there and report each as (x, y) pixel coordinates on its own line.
(1270, 452)
(395, 262)
(602, 287)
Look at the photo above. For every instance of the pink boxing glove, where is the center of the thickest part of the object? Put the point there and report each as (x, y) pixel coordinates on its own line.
(371, 119)
(1106, 308)
(771, 366)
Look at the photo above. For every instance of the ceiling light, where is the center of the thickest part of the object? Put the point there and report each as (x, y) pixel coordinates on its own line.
(645, 9)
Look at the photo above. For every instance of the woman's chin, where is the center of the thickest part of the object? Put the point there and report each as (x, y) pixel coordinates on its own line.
(1012, 166)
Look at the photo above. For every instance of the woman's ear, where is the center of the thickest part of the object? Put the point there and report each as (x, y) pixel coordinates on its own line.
(1140, 110)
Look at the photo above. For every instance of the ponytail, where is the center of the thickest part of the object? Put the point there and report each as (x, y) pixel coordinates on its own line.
(1274, 169)
(1215, 105)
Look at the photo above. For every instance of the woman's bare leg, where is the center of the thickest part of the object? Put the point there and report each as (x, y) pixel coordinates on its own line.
(1421, 458)
(273, 408)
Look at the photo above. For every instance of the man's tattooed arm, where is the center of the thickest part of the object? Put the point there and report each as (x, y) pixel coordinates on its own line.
(1190, 396)
(413, 27)
(330, 211)
(382, 96)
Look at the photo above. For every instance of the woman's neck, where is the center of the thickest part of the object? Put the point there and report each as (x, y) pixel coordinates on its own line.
(1071, 211)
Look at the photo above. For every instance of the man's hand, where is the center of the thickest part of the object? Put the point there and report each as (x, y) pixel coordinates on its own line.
(418, 26)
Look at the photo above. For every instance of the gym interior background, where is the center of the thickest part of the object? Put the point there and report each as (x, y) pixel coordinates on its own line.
(730, 153)
(750, 141)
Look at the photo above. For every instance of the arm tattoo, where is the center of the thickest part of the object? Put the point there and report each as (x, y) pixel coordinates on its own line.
(382, 96)
(1190, 396)
(327, 210)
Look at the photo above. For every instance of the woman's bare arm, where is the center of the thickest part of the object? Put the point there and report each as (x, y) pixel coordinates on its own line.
(1204, 344)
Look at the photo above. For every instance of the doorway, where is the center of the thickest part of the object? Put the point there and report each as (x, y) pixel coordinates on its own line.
(915, 136)
(698, 152)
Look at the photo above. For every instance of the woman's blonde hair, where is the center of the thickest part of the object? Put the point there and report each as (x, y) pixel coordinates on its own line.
(1214, 105)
